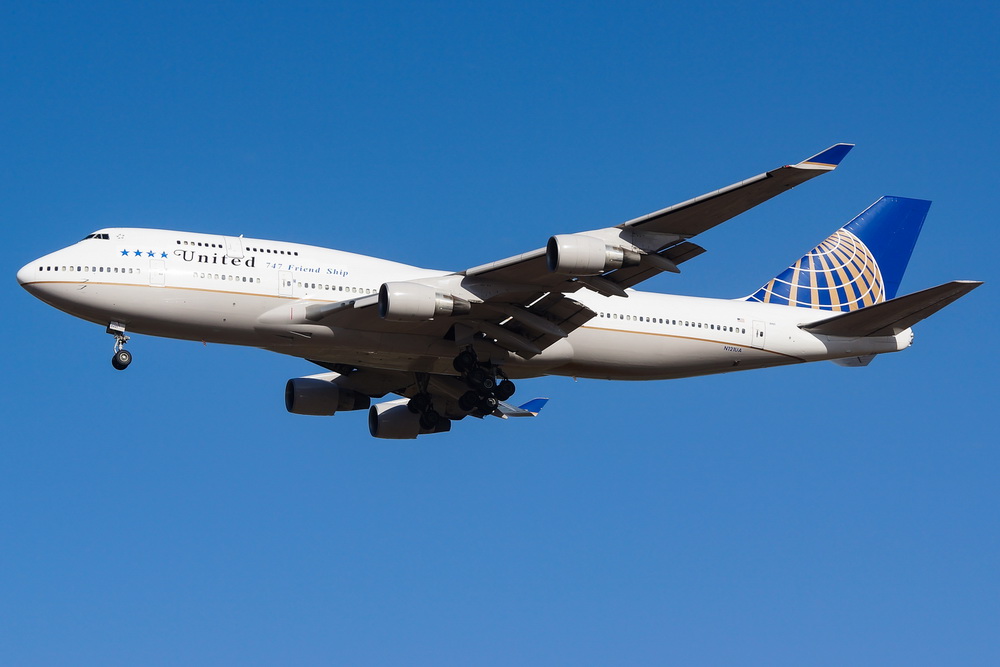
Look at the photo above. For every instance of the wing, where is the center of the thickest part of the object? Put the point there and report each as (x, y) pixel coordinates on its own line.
(669, 228)
(524, 303)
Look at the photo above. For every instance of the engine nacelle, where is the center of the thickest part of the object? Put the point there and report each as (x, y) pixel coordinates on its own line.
(312, 396)
(392, 420)
(579, 255)
(408, 302)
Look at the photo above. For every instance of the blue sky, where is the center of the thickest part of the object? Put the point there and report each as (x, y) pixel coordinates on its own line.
(175, 514)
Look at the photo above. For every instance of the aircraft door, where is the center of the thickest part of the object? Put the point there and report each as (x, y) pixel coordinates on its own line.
(758, 334)
(234, 246)
(157, 272)
(285, 283)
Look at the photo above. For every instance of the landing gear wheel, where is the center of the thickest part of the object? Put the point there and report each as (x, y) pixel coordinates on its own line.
(429, 419)
(121, 360)
(468, 401)
(476, 376)
(487, 404)
(481, 380)
(464, 361)
(419, 403)
(504, 390)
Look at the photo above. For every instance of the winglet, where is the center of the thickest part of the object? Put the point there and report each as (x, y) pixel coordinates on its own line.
(827, 159)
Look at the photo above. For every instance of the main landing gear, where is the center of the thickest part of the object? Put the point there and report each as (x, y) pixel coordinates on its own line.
(122, 357)
(423, 405)
(487, 387)
(485, 390)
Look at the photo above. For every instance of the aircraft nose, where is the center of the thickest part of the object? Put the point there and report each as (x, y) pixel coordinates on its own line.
(26, 274)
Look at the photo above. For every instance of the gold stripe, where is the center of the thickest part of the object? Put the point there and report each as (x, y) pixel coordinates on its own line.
(173, 287)
(813, 288)
(831, 287)
(793, 289)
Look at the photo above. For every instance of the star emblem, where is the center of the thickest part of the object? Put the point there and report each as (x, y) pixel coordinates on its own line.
(124, 253)
(151, 254)
(138, 253)
(163, 255)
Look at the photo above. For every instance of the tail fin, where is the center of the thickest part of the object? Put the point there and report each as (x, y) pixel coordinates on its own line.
(861, 264)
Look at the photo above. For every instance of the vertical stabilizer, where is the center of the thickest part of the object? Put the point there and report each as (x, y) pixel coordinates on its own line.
(861, 264)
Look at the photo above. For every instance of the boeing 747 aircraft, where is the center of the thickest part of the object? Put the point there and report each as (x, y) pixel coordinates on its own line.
(449, 343)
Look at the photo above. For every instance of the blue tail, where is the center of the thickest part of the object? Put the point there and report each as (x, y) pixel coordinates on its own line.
(861, 264)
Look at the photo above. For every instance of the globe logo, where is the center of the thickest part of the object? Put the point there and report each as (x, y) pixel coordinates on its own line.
(838, 274)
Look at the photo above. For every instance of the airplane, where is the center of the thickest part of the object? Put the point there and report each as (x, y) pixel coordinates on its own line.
(449, 344)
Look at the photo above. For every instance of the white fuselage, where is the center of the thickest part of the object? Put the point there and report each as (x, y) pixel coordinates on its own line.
(238, 290)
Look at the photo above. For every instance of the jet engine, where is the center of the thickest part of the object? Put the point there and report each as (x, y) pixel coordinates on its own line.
(313, 396)
(393, 420)
(580, 255)
(407, 302)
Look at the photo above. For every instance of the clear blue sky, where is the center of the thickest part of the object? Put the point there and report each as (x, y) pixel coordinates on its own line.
(175, 514)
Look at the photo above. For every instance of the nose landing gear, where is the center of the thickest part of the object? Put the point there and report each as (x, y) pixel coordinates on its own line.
(122, 357)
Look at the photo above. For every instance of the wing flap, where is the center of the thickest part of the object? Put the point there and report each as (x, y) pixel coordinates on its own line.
(890, 317)
(565, 313)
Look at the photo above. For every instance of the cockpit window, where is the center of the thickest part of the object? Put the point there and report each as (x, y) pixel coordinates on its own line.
(105, 237)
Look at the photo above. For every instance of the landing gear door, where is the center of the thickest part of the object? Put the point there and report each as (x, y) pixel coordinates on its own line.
(285, 283)
(234, 246)
(758, 334)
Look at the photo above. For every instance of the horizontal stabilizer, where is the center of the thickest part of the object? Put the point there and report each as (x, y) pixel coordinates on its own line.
(890, 317)
(529, 409)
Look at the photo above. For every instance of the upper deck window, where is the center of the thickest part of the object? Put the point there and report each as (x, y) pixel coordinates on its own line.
(104, 237)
